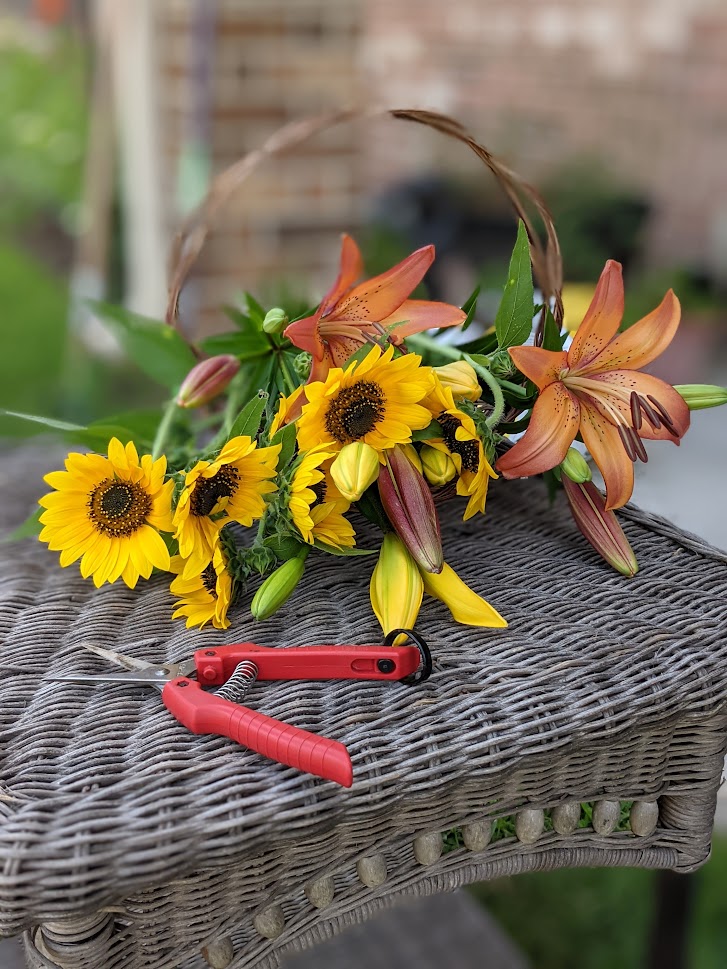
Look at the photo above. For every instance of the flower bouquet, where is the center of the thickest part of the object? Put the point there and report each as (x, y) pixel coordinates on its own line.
(283, 435)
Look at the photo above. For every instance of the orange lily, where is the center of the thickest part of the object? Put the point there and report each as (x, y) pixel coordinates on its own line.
(350, 316)
(597, 390)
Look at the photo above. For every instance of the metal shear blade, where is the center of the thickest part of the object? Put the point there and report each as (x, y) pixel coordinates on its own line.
(135, 670)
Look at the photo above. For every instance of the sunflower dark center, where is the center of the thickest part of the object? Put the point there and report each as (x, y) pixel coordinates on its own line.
(467, 450)
(118, 508)
(319, 489)
(209, 580)
(355, 411)
(208, 491)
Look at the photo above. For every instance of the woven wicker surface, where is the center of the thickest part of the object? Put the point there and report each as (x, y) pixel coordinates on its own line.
(601, 686)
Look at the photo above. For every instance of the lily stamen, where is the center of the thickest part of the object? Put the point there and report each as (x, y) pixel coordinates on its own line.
(636, 415)
(664, 414)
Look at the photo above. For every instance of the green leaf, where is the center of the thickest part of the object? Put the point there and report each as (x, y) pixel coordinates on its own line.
(254, 309)
(485, 344)
(156, 348)
(304, 315)
(513, 427)
(247, 422)
(470, 307)
(30, 528)
(286, 438)
(50, 422)
(240, 319)
(137, 426)
(551, 333)
(358, 355)
(342, 551)
(369, 504)
(514, 320)
(433, 429)
(242, 345)
(284, 547)
(480, 359)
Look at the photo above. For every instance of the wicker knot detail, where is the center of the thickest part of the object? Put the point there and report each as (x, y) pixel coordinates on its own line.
(644, 817)
(565, 817)
(428, 847)
(372, 870)
(219, 954)
(477, 836)
(270, 922)
(529, 825)
(320, 892)
(606, 815)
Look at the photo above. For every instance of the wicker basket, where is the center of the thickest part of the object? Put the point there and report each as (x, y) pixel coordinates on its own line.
(128, 842)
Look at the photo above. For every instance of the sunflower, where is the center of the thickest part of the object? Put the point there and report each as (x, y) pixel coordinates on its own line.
(206, 596)
(377, 400)
(316, 505)
(106, 511)
(230, 488)
(461, 441)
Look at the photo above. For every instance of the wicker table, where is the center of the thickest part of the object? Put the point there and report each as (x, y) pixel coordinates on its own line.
(126, 841)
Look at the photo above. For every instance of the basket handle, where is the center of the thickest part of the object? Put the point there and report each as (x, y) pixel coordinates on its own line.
(191, 237)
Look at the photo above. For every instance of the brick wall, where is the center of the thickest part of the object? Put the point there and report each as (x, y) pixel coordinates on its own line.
(274, 62)
(641, 84)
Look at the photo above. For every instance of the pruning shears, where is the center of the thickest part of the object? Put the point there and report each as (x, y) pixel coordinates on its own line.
(237, 666)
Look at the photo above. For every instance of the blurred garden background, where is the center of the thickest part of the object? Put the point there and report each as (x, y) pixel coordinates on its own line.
(116, 115)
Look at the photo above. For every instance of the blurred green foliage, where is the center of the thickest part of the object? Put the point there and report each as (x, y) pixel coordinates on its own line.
(32, 331)
(601, 918)
(42, 135)
(42, 129)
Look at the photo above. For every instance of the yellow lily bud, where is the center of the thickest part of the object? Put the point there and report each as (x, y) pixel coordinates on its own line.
(438, 467)
(461, 379)
(575, 466)
(355, 469)
(278, 587)
(464, 604)
(701, 396)
(396, 587)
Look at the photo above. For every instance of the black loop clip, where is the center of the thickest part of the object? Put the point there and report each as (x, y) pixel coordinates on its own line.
(425, 668)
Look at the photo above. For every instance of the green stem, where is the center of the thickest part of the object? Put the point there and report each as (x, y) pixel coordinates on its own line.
(497, 395)
(165, 424)
(517, 389)
(422, 342)
(288, 380)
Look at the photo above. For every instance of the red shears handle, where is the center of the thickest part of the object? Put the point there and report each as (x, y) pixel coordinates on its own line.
(203, 712)
(217, 664)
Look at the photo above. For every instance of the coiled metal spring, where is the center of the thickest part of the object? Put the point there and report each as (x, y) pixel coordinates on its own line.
(240, 682)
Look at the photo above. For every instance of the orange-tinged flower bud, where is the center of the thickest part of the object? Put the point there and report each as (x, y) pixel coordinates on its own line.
(208, 379)
(464, 603)
(413, 455)
(438, 466)
(461, 379)
(355, 469)
(600, 527)
(409, 506)
(396, 587)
